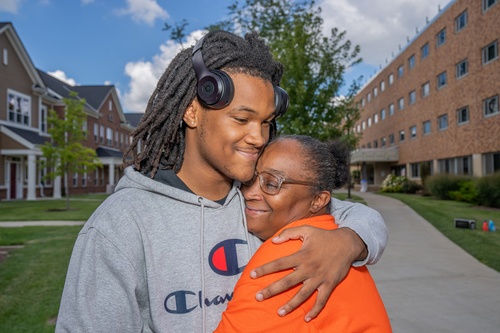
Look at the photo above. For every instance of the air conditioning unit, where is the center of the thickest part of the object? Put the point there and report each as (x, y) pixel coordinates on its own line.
(465, 223)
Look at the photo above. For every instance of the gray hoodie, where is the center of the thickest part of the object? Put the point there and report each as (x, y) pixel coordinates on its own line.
(154, 258)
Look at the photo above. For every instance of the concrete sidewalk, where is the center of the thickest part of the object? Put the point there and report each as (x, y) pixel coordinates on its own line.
(429, 284)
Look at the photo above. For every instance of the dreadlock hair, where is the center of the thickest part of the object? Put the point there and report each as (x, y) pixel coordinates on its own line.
(161, 130)
(328, 161)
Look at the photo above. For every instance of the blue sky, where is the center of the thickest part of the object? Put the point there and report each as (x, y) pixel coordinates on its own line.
(121, 42)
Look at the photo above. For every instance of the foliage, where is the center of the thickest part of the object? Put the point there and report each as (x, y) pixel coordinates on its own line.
(488, 190)
(425, 171)
(466, 192)
(398, 184)
(356, 176)
(441, 185)
(65, 153)
(314, 63)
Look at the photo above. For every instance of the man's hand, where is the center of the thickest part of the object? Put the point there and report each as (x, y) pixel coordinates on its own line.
(321, 264)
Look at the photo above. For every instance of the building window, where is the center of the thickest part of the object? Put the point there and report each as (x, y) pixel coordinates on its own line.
(96, 177)
(109, 136)
(110, 105)
(411, 61)
(375, 144)
(401, 136)
(84, 128)
(443, 122)
(362, 102)
(369, 145)
(96, 132)
(5, 57)
(19, 108)
(490, 52)
(75, 179)
(358, 128)
(383, 142)
(424, 51)
(400, 71)
(382, 86)
(369, 121)
(461, 21)
(375, 118)
(491, 163)
(441, 80)
(375, 92)
(413, 97)
(84, 177)
(426, 89)
(369, 97)
(101, 134)
(426, 127)
(463, 115)
(415, 170)
(401, 103)
(43, 119)
(391, 139)
(441, 37)
(391, 79)
(413, 132)
(488, 3)
(490, 106)
(363, 125)
(462, 68)
(391, 109)
(382, 114)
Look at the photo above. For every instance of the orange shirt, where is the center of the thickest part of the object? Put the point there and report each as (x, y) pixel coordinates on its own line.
(354, 306)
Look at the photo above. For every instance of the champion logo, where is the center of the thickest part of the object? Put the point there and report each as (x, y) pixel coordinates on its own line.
(223, 258)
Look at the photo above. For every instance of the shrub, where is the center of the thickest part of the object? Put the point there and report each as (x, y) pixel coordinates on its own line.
(398, 184)
(488, 190)
(466, 193)
(442, 184)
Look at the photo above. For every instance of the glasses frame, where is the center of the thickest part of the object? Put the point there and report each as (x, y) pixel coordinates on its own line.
(281, 180)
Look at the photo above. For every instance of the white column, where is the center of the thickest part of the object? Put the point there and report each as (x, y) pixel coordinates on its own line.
(31, 177)
(111, 173)
(477, 165)
(57, 187)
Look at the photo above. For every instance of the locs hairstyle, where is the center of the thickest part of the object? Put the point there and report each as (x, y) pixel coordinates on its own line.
(158, 140)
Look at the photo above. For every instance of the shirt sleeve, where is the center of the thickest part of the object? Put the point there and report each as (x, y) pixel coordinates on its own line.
(366, 222)
(100, 289)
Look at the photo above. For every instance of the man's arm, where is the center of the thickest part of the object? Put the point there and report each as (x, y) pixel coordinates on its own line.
(367, 223)
(325, 256)
(100, 289)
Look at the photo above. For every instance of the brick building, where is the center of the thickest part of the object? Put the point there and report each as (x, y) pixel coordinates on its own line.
(437, 101)
(26, 95)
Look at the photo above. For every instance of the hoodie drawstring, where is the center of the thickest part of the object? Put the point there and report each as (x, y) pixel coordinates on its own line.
(202, 263)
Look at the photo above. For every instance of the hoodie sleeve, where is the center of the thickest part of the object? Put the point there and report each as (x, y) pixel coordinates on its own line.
(101, 288)
(366, 222)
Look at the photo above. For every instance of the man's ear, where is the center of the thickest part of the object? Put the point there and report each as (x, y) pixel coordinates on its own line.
(190, 114)
(321, 200)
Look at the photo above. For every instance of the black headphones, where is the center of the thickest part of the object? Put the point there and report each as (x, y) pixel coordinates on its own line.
(215, 88)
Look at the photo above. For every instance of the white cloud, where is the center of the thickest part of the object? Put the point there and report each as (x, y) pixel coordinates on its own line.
(379, 26)
(144, 75)
(58, 74)
(10, 6)
(147, 11)
(86, 2)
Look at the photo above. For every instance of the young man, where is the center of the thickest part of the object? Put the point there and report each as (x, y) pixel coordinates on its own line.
(164, 252)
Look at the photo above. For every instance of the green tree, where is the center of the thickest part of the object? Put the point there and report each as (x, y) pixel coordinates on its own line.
(315, 63)
(65, 153)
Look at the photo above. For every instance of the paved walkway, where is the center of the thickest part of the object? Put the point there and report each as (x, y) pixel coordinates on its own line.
(429, 284)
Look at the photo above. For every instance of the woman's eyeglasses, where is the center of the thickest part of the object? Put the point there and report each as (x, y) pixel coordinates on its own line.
(271, 183)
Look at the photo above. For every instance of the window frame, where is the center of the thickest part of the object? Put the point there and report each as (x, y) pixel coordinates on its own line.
(439, 77)
(424, 51)
(441, 38)
(440, 122)
(458, 69)
(485, 52)
(460, 112)
(487, 105)
(459, 25)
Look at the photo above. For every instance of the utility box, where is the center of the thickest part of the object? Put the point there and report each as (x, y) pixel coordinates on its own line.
(465, 223)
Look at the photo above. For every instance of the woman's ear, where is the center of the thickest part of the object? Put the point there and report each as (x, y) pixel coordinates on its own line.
(190, 114)
(320, 202)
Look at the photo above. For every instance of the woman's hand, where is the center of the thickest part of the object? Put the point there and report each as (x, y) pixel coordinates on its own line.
(321, 264)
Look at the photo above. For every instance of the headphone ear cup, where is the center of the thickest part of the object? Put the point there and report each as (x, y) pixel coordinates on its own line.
(215, 89)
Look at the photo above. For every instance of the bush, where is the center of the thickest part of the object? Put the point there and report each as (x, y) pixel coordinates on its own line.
(441, 185)
(466, 193)
(398, 184)
(488, 190)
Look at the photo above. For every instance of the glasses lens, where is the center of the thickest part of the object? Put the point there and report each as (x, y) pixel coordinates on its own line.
(270, 184)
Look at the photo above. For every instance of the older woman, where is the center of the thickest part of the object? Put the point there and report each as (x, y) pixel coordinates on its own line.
(292, 187)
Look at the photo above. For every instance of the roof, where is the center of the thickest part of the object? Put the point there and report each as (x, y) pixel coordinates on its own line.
(107, 152)
(134, 118)
(31, 136)
(94, 95)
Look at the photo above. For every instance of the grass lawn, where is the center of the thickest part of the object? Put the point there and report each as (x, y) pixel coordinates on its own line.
(81, 207)
(484, 246)
(32, 277)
